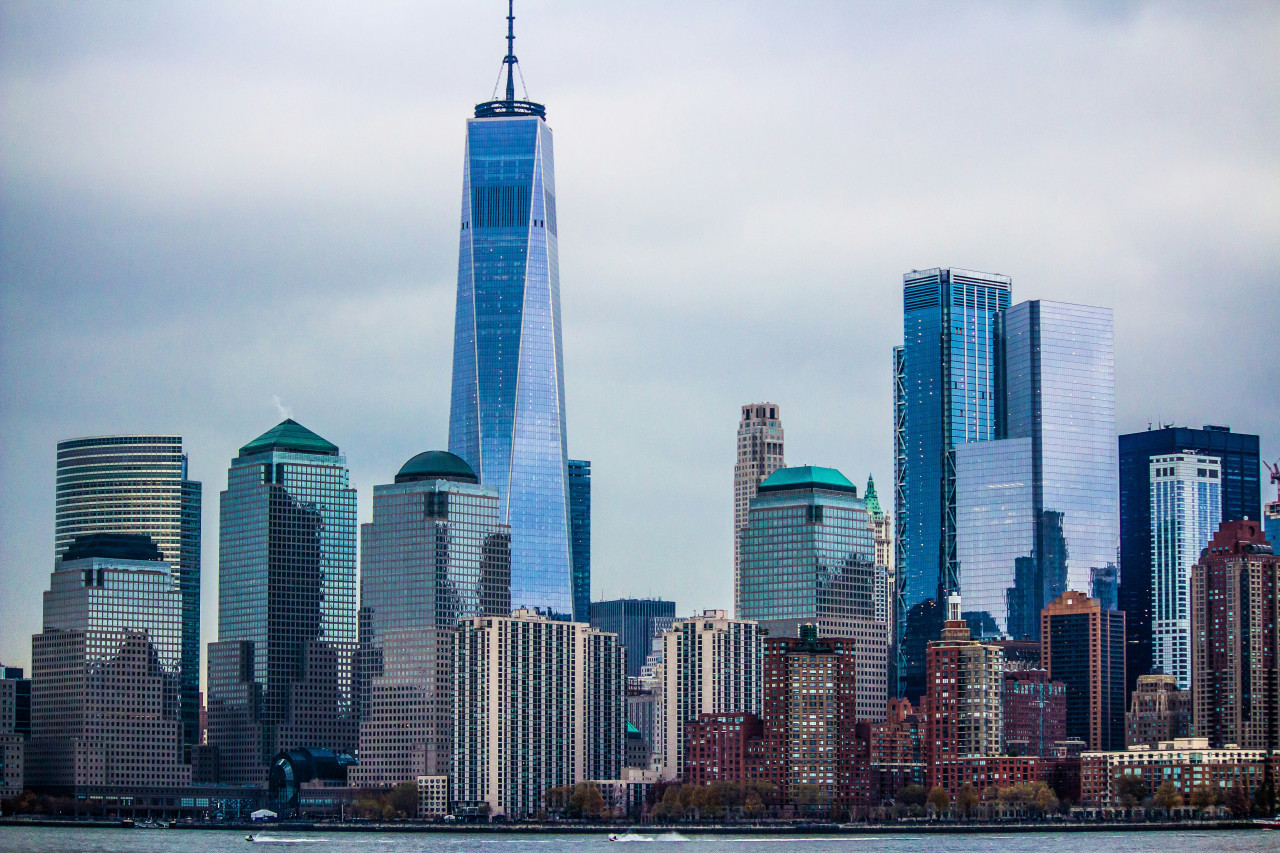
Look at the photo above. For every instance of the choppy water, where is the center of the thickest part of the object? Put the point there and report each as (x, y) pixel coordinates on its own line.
(59, 840)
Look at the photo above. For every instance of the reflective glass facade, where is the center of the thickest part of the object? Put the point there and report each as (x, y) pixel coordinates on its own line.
(636, 621)
(137, 484)
(944, 390)
(433, 554)
(507, 415)
(580, 535)
(1186, 509)
(287, 603)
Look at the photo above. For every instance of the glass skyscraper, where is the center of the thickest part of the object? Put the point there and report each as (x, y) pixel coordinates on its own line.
(1241, 498)
(280, 674)
(507, 414)
(580, 535)
(1037, 509)
(944, 396)
(138, 484)
(636, 621)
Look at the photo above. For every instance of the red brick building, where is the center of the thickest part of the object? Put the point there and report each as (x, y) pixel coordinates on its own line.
(1035, 712)
(964, 682)
(1082, 645)
(716, 747)
(1186, 762)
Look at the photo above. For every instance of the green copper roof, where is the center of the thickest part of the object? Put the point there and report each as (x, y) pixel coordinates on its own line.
(872, 500)
(293, 436)
(807, 477)
(436, 465)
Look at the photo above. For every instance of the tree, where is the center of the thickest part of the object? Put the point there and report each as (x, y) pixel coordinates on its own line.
(403, 799)
(586, 800)
(1130, 791)
(556, 800)
(912, 795)
(1264, 799)
(1204, 796)
(1167, 796)
(939, 800)
(1237, 800)
(966, 798)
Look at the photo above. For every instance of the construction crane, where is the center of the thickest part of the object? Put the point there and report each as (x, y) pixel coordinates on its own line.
(1275, 476)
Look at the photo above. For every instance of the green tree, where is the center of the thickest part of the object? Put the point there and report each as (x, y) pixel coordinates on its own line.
(1130, 790)
(403, 799)
(939, 800)
(966, 798)
(912, 795)
(1167, 796)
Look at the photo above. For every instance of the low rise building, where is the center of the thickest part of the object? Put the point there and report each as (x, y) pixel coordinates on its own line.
(1186, 762)
(433, 796)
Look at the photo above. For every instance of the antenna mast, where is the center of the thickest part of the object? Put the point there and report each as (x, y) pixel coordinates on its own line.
(511, 52)
(509, 106)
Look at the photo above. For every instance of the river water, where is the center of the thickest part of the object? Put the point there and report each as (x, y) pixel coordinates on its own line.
(60, 840)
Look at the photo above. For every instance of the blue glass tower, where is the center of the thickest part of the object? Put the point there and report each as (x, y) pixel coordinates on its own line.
(580, 535)
(944, 396)
(507, 415)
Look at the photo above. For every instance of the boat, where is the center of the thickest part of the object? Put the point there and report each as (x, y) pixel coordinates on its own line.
(1267, 822)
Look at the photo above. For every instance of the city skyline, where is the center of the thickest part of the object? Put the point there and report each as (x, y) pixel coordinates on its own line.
(675, 539)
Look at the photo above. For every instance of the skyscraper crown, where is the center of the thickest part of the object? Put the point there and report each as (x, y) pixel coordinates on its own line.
(510, 106)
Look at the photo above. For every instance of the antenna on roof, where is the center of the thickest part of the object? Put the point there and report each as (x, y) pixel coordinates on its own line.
(511, 52)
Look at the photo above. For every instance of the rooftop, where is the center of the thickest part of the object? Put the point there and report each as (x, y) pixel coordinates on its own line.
(291, 436)
(113, 546)
(436, 465)
(807, 477)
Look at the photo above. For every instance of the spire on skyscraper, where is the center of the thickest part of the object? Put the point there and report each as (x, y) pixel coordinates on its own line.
(509, 105)
(872, 500)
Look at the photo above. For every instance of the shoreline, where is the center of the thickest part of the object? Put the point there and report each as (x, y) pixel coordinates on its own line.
(650, 829)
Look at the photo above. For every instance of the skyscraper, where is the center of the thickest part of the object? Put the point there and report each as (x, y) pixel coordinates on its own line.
(433, 554)
(1082, 645)
(965, 698)
(1241, 498)
(944, 396)
(580, 536)
(1036, 509)
(1235, 625)
(808, 556)
(105, 673)
(507, 414)
(761, 451)
(138, 484)
(882, 532)
(636, 621)
(1186, 508)
(280, 674)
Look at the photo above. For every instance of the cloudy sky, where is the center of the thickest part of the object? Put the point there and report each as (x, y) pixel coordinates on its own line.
(213, 213)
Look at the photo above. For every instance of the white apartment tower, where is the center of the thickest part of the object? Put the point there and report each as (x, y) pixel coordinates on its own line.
(538, 704)
(711, 664)
(760, 453)
(1186, 508)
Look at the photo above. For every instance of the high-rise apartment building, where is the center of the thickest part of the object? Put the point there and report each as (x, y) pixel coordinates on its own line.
(1158, 711)
(1035, 712)
(807, 555)
(580, 536)
(1241, 498)
(1037, 509)
(1186, 509)
(944, 397)
(433, 554)
(106, 673)
(1082, 645)
(280, 675)
(761, 451)
(965, 716)
(507, 414)
(711, 664)
(538, 704)
(138, 484)
(636, 621)
(1235, 629)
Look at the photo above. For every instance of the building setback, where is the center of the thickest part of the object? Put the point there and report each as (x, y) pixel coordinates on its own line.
(1235, 629)
(1082, 645)
(761, 451)
(280, 675)
(538, 704)
(808, 557)
(1241, 498)
(138, 484)
(106, 673)
(636, 621)
(433, 554)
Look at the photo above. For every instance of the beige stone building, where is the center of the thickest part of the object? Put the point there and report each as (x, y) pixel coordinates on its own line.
(761, 449)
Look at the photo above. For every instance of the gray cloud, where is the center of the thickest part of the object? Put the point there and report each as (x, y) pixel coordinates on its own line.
(206, 208)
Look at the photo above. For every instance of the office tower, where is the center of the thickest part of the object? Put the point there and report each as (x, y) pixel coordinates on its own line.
(636, 621)
(1235, 629)
(882, 533)
(1158, 711)
(507, 415)
(280, 673)
(12, 738)
(1186, 508)
(944, 397)
(711, 664)
(1035, 712)
(580, 536)
(539, 704)
(138, 484)
(964, 698)
(433, 554)
(1241, 498)
(761, 451)
(106, 672)
(1083, 646)
(808, 555)
(1036, 509)
(21, 687)
(810, 715)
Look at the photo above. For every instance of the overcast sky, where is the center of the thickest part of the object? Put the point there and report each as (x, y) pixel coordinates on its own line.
(214, 213)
